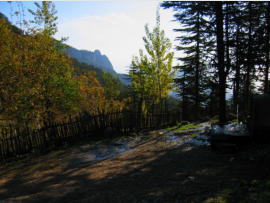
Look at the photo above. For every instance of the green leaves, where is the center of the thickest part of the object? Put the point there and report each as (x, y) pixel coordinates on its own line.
(35, 78)
(45, 15)
(152, 74)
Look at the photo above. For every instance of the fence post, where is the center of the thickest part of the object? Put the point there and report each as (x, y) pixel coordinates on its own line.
(8, 154)
(11, 141)
(78, 126)
(44, 135)
(3, 145)
(72, 129)
(35, 144)
(29, 138)
(1, 148)
(62, 130)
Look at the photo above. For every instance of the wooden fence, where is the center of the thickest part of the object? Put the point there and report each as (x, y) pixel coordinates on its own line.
(15, 141)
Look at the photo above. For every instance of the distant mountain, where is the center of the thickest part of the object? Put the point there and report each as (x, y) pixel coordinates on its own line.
(123, 77)
(82, 66)
(92, 58)
(97, 60)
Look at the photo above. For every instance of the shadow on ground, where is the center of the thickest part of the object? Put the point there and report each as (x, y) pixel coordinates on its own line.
(155, 171)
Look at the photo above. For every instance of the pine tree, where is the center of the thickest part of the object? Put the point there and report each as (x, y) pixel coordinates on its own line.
(195, 44)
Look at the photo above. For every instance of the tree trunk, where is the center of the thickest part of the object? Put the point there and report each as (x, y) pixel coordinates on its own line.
(249, 60)
(197, 72)
(237, 74)
(266, 86)
(220, 51)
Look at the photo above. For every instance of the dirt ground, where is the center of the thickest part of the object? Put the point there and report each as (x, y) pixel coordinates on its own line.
(155, 170)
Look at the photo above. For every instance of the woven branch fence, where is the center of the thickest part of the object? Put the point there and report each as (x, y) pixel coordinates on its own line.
(15, 141)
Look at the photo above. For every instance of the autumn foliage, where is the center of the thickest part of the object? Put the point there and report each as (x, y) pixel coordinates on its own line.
(38, 84)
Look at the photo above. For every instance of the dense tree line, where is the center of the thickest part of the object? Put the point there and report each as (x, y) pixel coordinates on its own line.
(38, 82)
(80, 67)
(226, 46)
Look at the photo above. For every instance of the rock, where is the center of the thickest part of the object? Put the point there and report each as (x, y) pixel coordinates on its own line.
(215, 117)
(154, 133)
(243, 115)
(233, 180)
(117, 144)
(185, 123)
(231, 117)
(109, 130)
(205, 119)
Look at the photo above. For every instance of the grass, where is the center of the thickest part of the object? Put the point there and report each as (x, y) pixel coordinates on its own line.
(213, 121)
(172, 128)
(194, 135)
(184, 127)
(255, 191)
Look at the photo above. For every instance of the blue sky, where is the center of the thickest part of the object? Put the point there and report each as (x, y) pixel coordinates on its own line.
(115, 28)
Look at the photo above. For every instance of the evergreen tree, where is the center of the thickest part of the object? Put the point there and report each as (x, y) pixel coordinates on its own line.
(196, 43)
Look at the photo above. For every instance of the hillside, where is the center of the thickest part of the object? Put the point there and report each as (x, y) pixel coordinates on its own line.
(92, 58)
(14, 28)
(82, 66)
(85, 60)
(96, 60)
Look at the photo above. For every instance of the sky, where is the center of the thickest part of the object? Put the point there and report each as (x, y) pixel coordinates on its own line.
(115, 28)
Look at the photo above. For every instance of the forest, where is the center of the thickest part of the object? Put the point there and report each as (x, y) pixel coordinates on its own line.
(225, 49)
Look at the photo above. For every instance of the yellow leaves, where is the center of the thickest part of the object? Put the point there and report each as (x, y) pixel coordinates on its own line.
(93, 96)
(36, 79)
(30, 68)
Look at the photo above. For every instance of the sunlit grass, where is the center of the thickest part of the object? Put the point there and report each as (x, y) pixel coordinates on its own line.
(194, 135)
(184, 127)
(213, 121)
(172, 128)
(189, 126)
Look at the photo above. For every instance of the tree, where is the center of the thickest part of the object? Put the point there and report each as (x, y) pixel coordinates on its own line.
(91, 94)
(195, 44)
(45, 15)
(141, 83)
(111, 102)
(220, 53)
(152, 75)
(36, 79)
(160, 68)
(239, 55)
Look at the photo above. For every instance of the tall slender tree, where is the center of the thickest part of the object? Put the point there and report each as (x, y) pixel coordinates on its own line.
(196, 43)
(45, 15)
(153, 74)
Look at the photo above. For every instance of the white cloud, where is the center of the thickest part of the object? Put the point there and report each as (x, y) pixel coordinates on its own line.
(117, 35)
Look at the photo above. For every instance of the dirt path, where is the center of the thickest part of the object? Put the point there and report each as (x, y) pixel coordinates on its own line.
(155, 170)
